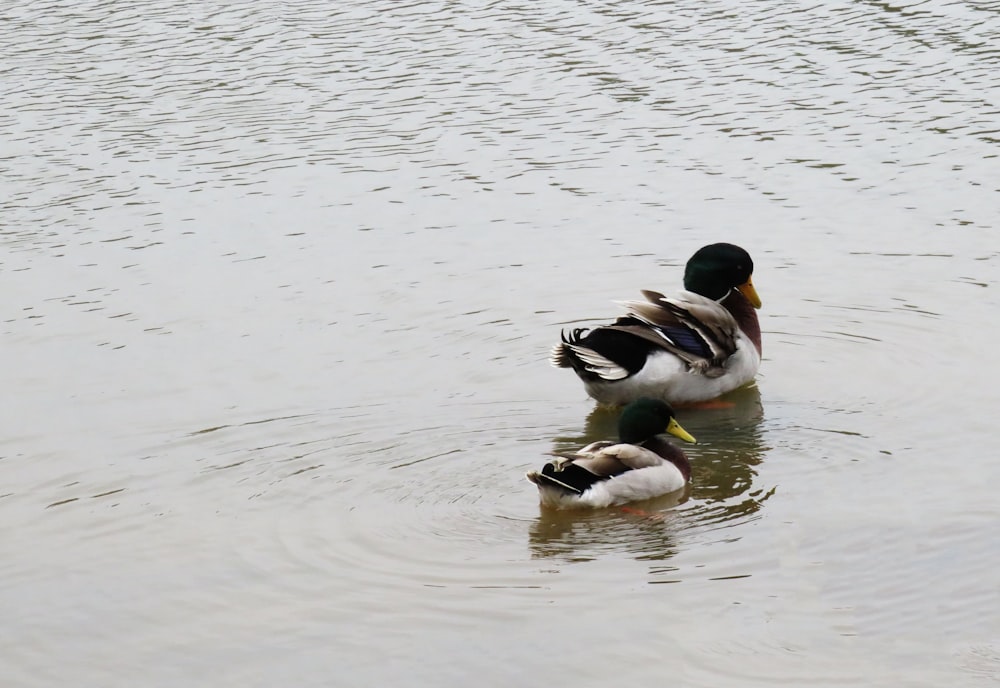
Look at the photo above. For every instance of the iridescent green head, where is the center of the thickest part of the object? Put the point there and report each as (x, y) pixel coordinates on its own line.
(714, 270)
(644, 418)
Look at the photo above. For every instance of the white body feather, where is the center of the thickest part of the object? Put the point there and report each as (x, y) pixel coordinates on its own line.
(664, 376)
(649, 475)
(630, 486)
(667, 374)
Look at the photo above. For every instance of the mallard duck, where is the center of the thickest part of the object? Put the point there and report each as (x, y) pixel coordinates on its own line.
(641, 465)
(692, 347)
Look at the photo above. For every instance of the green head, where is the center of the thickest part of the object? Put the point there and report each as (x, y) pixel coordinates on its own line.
(645, 418)
(716, 269)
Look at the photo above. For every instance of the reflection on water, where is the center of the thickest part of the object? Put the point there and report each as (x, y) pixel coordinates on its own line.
(722, 491)
(730, 448)
(644, 531)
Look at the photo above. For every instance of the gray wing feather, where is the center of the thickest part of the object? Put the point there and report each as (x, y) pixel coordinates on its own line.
(711, 321)
(606, 459)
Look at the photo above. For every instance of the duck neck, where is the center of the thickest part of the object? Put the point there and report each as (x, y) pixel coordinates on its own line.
(671, 453)
(745, 315)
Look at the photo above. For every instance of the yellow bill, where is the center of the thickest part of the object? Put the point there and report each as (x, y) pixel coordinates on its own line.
(748, 291)
(675, 429)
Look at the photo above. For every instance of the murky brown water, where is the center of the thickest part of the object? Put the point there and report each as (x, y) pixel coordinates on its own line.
(279, 284)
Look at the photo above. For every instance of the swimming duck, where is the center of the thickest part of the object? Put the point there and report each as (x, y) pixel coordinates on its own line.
(641, 465)
(692, 347)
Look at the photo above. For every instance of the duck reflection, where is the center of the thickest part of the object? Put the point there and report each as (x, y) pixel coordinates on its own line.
(643, 530)
(722, 490)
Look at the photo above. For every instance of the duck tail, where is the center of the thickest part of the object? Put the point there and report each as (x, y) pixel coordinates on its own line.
(584, 350)
(545, 478)
(562, 355)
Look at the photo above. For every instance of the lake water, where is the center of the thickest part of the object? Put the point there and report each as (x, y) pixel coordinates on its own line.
(279, 283)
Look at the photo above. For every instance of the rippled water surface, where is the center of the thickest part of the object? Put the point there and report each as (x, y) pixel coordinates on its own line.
(279, 282)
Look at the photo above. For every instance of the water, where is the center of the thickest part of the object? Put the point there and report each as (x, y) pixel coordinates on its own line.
(280, 281)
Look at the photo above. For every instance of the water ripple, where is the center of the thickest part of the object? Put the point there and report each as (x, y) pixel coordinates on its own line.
(235, 95)
(280, 273)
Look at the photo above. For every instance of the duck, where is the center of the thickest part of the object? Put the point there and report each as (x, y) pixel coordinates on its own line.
(642, 464)
(688, 348)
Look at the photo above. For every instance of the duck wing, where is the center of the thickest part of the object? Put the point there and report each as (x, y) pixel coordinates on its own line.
(694, 328)
(608, 459)
(593, 464)
(594, 459)
(631, 457)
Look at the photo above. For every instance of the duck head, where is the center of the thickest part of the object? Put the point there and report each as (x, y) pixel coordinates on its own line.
(716, 269)
(645, 418)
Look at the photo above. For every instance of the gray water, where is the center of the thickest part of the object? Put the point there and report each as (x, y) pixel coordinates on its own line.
(279, 281)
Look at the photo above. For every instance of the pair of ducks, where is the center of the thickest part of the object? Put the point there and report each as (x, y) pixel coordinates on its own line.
(689, 348)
